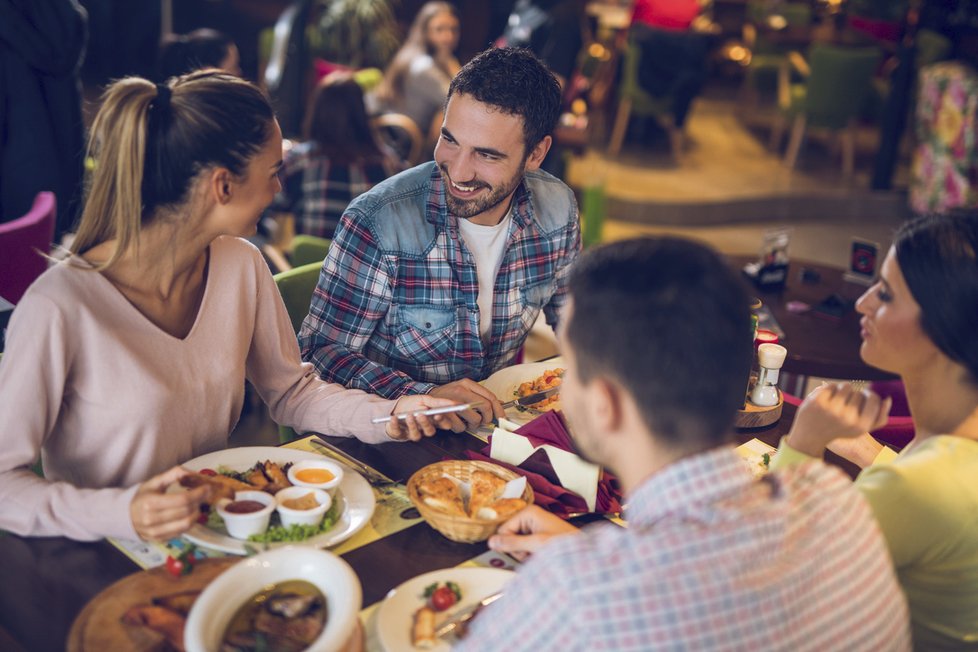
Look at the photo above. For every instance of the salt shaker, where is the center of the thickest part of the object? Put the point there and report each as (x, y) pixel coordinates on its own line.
(770, 357)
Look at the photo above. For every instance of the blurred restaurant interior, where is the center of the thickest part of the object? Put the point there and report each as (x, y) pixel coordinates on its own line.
(739, 162)
(820, 126)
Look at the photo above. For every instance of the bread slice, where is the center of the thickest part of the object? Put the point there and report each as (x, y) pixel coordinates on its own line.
(442, 494)
(485, 488)
(423, 629)
(502, 508)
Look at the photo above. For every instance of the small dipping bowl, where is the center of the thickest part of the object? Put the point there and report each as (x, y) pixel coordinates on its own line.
(241, 516)
(312, 516)
(317, 474)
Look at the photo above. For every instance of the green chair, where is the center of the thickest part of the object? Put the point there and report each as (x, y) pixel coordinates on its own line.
(296, 287)
(308, 249)
(837, 82)
(766, 53)
(631, 98)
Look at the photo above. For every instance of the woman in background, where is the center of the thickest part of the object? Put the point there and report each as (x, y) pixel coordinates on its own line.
(130, 357)
(199, 49)
(920, 321)
(339, 160)
(416, 81)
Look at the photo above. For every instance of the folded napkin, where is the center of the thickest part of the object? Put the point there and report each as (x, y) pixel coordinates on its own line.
(549, 430)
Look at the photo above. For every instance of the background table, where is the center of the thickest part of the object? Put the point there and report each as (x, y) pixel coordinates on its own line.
(46, 581)
(817, 345)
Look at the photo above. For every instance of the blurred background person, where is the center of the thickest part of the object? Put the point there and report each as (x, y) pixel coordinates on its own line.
(551, 29)
(42, 143)
(416, 81)
(201, 48)
(339, 159)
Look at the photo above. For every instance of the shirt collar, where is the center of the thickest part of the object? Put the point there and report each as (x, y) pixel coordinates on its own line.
(689, 485)
(521, 209)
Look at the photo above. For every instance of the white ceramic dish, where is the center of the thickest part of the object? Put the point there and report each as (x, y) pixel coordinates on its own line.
(291, 516)
(505, 382)
(354, 493)
(395, 615)
(243, 525)
(322, 463)
(222, 598)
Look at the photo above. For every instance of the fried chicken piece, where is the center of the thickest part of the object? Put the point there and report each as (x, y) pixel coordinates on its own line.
(221, 485)
(178, 602)
(277, 479)
(161, 620)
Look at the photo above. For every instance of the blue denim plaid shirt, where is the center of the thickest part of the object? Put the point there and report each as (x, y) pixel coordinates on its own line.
(395, 311)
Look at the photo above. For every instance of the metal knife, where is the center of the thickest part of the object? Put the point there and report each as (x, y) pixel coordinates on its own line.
(532, 398)
(465, 615)
(373, 477)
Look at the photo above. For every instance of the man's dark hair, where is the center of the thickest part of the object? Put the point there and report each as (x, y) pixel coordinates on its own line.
(668, 320)
(514, 81)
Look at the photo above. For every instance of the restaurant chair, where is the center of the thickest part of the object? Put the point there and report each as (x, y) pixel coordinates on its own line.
(632, 99)
(308, 249)
(766, 51)
(400, 134)
(836, 85)
(24, 243)
(296, 287)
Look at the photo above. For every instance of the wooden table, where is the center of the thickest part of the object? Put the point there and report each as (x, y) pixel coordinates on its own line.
(47, 581)
(818, 346)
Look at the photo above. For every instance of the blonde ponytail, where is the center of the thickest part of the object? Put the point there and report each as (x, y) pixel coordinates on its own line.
(117, 145)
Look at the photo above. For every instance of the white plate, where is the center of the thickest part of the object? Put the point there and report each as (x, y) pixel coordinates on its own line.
(395, 616)
(354, 492)
(505, 382)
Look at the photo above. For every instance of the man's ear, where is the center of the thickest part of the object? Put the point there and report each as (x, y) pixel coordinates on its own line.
(220, 185)
(606, 405)
(538, 153)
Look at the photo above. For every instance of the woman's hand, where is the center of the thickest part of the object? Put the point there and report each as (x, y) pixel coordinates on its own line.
(836, 410)
(157, 515)
(416, 427)
(528, 531)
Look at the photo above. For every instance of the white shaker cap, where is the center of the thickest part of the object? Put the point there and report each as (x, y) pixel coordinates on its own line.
(771, 356)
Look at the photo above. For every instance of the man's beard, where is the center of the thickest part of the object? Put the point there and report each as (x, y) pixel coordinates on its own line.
(469, 208)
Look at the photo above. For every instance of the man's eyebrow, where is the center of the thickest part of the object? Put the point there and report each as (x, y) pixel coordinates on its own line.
(482, 150)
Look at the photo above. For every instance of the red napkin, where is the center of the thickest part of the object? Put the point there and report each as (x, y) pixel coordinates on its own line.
(549, 428)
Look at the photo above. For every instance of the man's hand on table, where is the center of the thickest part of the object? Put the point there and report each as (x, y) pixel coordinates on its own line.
(834, 411)
(159, 516)
(486, 408)
(528, 531)
(415, 427)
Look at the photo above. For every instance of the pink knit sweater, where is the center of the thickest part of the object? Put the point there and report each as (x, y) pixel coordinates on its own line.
(109, 399)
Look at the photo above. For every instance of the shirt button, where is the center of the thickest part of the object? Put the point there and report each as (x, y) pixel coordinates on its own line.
(427, 324)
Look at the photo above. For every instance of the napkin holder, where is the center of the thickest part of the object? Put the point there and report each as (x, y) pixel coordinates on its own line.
(573, 473)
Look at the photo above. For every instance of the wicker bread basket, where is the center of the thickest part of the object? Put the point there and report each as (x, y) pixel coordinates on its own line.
(459, 528)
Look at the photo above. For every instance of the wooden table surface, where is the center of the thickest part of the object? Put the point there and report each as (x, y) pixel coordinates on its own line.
(47, 581)
(818, 346)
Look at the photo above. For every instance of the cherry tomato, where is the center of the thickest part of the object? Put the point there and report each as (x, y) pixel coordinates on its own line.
(442, 598)
(208, 472)
(182, 564)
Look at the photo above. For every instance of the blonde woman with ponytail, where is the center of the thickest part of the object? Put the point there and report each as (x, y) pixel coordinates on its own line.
(131, 356)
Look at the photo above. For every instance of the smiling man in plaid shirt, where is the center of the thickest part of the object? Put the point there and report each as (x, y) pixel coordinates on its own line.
(657, 343)
(436, 275)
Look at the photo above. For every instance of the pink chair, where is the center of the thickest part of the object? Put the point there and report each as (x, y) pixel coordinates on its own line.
(23, 244)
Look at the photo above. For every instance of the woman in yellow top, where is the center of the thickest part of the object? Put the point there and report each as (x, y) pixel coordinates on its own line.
(920, 320)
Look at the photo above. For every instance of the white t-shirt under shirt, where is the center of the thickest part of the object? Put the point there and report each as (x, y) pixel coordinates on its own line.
(486, 244)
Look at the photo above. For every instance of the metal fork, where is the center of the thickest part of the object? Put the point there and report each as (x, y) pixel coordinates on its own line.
(373, 477)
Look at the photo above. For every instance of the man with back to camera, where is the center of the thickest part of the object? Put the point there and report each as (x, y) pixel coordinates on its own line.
(656, 342)
(436, 275)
